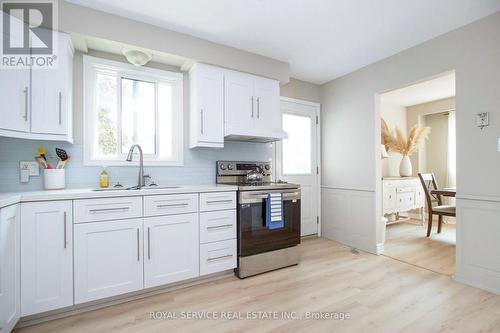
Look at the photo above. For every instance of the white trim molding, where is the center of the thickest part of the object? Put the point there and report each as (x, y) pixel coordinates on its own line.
(91, 67)
(478, 246)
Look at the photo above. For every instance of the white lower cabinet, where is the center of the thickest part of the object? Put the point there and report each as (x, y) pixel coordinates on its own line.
(108, 259)
(68, 260)
(46, 256)
(10, 302)
(170, 249)
(217, 256)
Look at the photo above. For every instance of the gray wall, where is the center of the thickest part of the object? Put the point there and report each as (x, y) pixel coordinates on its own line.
(301, 90)
(351, 155)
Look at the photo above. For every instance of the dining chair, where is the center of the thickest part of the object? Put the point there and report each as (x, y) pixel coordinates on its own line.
(429, 183)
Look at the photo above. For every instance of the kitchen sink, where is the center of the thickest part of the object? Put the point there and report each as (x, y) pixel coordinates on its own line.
(134, 188)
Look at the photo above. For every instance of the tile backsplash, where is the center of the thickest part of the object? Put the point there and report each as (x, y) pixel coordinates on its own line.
(199, 164)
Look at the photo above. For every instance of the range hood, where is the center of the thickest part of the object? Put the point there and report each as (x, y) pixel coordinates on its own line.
(253, 135)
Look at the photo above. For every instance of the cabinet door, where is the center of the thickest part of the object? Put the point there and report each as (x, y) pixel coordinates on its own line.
(267, 104)
(46, 256)
(14, 100)
(207, 101)
(171, 249)
(239, 101)
(108, 259)
(51, 91)
(10, 303)
(389, 200)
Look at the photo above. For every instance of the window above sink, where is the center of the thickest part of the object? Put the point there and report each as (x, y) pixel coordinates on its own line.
(126, 105)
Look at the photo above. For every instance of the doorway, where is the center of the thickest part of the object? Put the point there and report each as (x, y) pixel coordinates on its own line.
(298, 158)
(428, 104)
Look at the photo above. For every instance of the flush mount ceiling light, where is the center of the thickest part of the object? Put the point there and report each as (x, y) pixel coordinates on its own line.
(136, 57)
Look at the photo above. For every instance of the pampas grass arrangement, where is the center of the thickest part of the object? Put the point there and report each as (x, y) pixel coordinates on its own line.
(402, 144)
(408, 145)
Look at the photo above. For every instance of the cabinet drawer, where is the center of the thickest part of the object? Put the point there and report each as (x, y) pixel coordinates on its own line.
(405, 189)
(90, 210)
(217, 226)
(217, 201)
(156, 205)
(217, 257)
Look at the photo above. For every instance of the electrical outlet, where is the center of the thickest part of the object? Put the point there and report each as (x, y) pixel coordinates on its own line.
(32, 166)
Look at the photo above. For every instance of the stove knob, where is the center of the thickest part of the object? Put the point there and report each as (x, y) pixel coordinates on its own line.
(230, 167)
(267, 167)
(223, 166)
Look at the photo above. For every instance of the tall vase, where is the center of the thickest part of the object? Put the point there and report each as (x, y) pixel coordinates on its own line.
(405, 167)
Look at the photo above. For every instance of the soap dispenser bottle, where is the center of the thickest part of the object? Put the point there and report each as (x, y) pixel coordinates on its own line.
(104, 178)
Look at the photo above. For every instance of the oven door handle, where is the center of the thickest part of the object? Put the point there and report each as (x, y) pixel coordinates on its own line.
(251, 197)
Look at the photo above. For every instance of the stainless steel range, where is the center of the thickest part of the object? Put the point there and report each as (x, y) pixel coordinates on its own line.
(261, 246)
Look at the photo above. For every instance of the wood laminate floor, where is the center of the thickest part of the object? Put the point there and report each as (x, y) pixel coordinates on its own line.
(408, 242)
(380, 294)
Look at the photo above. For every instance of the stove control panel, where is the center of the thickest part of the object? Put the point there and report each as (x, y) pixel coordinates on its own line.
(241, 168)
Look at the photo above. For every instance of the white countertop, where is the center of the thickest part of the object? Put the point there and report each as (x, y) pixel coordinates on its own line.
(10, 198)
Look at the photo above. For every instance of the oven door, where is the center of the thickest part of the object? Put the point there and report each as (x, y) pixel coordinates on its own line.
(254, 237)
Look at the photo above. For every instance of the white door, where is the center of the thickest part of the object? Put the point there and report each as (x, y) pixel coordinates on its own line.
(267, 100)
(239, 101)
(10, 279)
(46, 256)
(108, 259)
(51, 93)
(210, 94)
(297, 158)
(170, 249)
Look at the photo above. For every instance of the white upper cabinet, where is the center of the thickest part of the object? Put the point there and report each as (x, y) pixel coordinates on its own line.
(46, 256)
(40, 109)
(232, 105)
(207, 106)
(15, 101)
(51, 93)
(252, 108)
(267, 100)
(239, 102)
(10, 303)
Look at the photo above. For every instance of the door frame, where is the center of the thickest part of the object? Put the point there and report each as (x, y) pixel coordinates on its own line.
(317, 106)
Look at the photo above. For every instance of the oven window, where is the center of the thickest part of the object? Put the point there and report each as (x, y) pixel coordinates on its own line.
(256, 238)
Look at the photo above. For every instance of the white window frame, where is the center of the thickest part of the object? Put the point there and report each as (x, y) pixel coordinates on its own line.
(93, 64)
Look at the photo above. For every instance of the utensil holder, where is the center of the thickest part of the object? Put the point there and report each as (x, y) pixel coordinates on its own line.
(54, 179)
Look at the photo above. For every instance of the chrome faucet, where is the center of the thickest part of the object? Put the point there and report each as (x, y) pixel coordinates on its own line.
(140, 182)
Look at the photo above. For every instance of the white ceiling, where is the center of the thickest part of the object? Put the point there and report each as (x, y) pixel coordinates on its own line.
(423, 92)
(320, 39)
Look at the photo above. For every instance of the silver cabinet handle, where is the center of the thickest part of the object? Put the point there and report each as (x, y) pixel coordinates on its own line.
(172, 205)
(60, 107)
(218, 201)
(25, 104)
(223, 226)
(149, 243)
(252, 106)
(219, 258)
(138, 254)
(108, 210)
(258, 107)
(201, 121)
(65, 231)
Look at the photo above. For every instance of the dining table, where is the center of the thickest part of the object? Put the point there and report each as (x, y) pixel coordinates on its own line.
(445, 191)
